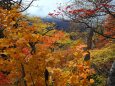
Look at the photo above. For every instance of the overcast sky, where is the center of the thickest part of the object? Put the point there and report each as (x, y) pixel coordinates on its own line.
(43, 7)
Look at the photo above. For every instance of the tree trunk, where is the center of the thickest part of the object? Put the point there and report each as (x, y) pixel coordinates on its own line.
(1, 33)
(89, 39)
(23, 75)
(111, 77)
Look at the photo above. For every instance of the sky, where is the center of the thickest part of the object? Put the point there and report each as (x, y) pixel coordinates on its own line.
(41, 8)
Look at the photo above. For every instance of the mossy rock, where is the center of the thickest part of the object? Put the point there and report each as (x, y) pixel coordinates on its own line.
(102, 60)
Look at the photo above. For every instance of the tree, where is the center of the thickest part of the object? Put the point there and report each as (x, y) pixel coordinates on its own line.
(9, 4)
(91, 13)
(109, 27)
(25, 46)
(27, 49)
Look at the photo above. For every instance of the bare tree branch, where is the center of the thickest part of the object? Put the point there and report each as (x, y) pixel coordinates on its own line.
(94, 30)
(109, 12)
(20, 2)
(27, 6)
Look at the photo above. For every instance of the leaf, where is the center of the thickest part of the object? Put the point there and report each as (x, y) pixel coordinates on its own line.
(25, 51)
(13, 22)
(91, 81)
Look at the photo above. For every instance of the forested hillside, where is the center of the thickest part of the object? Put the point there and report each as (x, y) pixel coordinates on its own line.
(75, 50)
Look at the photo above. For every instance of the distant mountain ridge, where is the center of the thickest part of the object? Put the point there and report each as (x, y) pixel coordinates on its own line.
(60, 24)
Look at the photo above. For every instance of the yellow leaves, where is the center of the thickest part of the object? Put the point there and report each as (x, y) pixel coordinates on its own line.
(76, 53)
(66, 74)
(16, 45)
(13, 22)
(40, 81)
(23, 23)
(92, 71)
(8, 18)
(91, 81)
(19, 35)
(60, 78)
(5, 43)
(31, 37)
(50, 33)
(80, 67)
(65, 66)
(36, 36)
(83, 75)
(71, 64)
(74, 79)
(21, 42)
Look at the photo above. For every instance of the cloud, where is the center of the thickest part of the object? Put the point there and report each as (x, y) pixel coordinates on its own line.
(43, 7)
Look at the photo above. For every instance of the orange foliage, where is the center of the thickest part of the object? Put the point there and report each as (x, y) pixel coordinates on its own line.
(29, 53)
(109, 30)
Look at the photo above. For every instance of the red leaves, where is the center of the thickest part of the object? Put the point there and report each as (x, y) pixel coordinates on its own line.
(80, 12)
(106, 5)
(25, 51)
(4, 80)
(77, 11)
(50, 14)
(54, 14)
(83, 12)
(109, 30)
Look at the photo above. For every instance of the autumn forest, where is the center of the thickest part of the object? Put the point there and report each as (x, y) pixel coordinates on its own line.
(34, 52)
